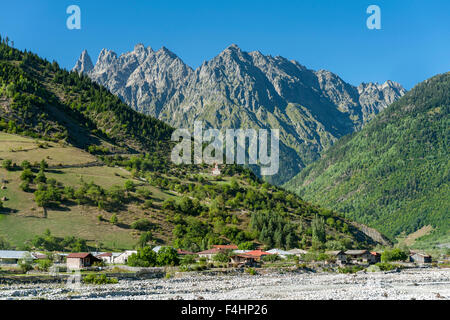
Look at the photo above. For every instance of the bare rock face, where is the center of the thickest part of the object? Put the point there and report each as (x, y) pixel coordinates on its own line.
(239, 89)
(84, 63)
(374, 97)
(143, 78)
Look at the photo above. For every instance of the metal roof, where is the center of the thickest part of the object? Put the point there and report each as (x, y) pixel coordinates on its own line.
(356, 252)
(280, 252)
(11, 254)
(335, 252)
(80, 255)
(297, 251)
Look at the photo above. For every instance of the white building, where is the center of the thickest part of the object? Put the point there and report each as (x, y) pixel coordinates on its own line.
(216, 170)
(123, 257)
(108, 257)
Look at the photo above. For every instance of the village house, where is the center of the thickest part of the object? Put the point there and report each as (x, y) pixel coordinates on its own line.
(13, 257)
(358, 256)
(184, 253)
(375, 257)
(209, 254)
(123, 257)
(108, 257)
(250, 258)
(243, 260)
(420, 258)
(77, 261)
(298, 252)
(338, 256)
(241, 251)
(258, 254)
(216, 171)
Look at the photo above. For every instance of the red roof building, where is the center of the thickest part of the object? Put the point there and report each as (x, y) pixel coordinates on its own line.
(105, 254)
(257, 253)
(184, 253)
(80, 260)
(210, 251)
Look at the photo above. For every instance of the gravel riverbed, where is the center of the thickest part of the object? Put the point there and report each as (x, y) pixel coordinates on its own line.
(406, 285)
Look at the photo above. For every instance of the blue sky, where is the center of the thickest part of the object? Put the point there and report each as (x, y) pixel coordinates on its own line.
(412, 45)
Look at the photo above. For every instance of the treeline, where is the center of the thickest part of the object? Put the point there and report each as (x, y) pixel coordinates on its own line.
(48, 242)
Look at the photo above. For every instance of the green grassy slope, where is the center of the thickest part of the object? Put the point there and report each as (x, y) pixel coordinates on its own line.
(394, 174)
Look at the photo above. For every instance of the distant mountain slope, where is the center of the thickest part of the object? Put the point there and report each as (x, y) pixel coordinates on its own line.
(237, 89)
(394, 174)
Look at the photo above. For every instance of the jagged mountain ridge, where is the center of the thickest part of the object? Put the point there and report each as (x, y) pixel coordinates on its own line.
(237, 89)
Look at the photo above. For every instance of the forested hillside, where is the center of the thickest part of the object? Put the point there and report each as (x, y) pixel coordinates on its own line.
(394, 174)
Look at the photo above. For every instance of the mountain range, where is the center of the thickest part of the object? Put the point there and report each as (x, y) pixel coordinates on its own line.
(238, 89)
(81, 168)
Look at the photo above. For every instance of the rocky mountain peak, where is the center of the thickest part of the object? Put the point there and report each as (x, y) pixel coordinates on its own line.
(233, 47)
(166, 52)
(105, 58)
(84, 63)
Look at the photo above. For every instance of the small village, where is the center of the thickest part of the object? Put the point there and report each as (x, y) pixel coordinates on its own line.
(227, 257)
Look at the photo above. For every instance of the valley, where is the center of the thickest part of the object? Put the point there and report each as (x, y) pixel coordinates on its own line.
(77, 162)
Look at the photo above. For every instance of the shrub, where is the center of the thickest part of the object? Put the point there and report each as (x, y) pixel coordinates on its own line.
(167, 256)
(99, 264)
(142, 225)
(43, 165)
(7, 164)
(145, 238)
(99, 279)
(4, 245)
(129, 186)
(25, 165)
(25, 186)
(271, 258)
(25, 265)
(221, 257)
(350, 269)
(251, 271)
(187, 259)
(114, 219)
(44, 265)
(40, 177)
(248, 245)
(395, 254)
(148, 204)
(384, 266)
(145, 257)
(373, 268)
